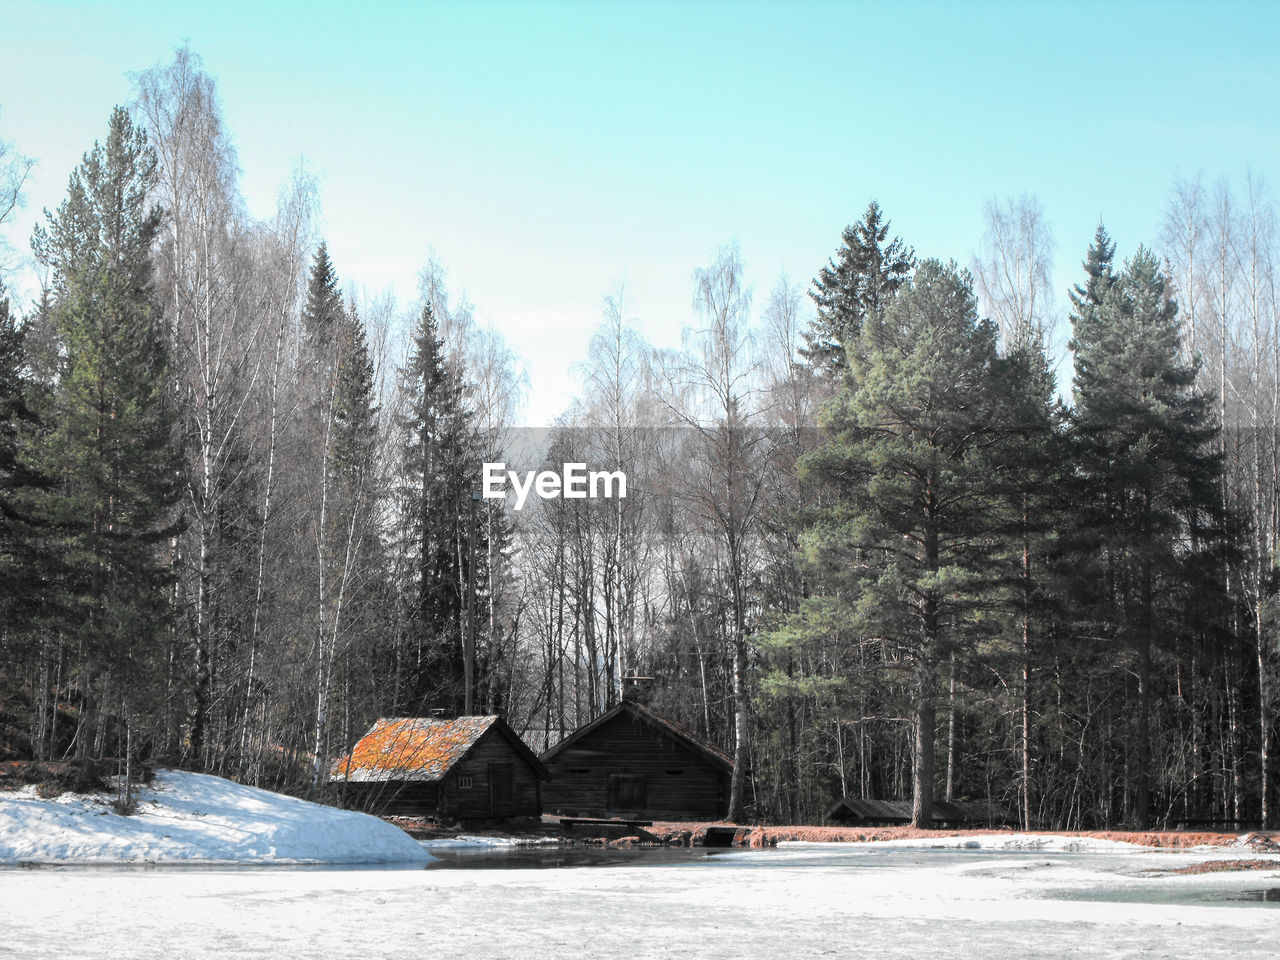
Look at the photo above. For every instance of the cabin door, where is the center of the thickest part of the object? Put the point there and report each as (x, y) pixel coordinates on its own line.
(502, 787)
(628, 792)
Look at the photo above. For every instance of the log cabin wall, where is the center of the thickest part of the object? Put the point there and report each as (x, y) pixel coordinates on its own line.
(487, 795)
(397, 798)
(608, 771)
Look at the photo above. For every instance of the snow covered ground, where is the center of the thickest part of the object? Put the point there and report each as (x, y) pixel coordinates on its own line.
(990, 897)
(189, 817)
(800, 900)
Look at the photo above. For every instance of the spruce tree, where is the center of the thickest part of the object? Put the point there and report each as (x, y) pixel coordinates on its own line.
(1150, 503)
(434, 494)
(355, 412)
(910, 548)
(339, 440)
(858, 283)
(1087, 298)
(112, 440)
(354, 534)
(20, 583)
(1034, 472)
(322, 312)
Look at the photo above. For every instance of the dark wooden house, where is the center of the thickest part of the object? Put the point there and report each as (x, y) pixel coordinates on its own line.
(855, 812)
(471, 768)
(632, 762)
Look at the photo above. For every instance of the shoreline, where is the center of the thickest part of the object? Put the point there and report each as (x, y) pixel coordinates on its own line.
(726, 834)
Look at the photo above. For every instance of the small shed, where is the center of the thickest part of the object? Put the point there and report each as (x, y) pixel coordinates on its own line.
(857, 812)
(632, 762)
(469, 768)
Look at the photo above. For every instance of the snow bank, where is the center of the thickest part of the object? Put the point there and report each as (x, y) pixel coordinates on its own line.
(194, 818)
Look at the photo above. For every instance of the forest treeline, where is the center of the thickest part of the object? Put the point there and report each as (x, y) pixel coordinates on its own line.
(871, 545)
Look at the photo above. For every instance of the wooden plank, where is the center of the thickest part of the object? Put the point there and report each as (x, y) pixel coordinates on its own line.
(603, 821)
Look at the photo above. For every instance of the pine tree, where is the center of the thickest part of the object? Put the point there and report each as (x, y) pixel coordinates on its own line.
(112, 440)
(1151, 504)
(910, 549)
(857, 284)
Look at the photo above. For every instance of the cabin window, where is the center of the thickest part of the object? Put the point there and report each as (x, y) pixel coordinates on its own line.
(628, 791)
(579, 770)
(502, 785)
(675, 773)
(466, 782)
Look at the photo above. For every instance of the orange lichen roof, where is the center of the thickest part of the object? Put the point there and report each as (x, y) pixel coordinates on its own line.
(410, 748)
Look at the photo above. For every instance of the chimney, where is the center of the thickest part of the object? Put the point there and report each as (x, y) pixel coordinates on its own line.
(637, 689)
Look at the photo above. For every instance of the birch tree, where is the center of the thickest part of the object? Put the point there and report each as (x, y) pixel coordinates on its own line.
(15, 170)
(218, 317)
(1012, 274)
(713, 394)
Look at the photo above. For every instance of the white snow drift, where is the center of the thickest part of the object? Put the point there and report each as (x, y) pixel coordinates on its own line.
(194, 818)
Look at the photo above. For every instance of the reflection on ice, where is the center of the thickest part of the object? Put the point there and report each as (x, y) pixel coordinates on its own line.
(1184, 895)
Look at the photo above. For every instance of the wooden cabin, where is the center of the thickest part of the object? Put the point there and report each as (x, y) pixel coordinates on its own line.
(634, 763)
(470, 768)
(855, 812)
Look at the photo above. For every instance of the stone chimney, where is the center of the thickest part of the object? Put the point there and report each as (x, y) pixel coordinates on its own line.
(637, 689)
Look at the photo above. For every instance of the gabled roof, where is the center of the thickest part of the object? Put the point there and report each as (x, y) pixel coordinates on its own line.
(422, 749)
(681, 734)
(854, 808)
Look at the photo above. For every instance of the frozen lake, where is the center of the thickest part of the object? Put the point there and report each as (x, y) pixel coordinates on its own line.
(800, 900)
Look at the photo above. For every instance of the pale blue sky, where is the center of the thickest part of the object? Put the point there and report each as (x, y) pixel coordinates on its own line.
(548, 151)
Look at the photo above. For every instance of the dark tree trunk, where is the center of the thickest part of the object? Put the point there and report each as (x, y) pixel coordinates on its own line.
(922, 779)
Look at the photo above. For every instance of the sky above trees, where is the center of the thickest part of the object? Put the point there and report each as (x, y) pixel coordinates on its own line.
(548, 153)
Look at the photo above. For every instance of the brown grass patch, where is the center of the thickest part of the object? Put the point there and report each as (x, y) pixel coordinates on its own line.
(768, 836)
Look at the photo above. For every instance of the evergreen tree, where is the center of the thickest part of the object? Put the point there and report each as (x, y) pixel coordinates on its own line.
(20, 584)
(322, 313)
(1034, 471)
(354, 534)
(438, 520)
(355, 412)
(13, 409)
(858, 283)
(112, 439)
(910, 549)
(339, 441)
(30, 576)
(1151, 496)
(1087, 298)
